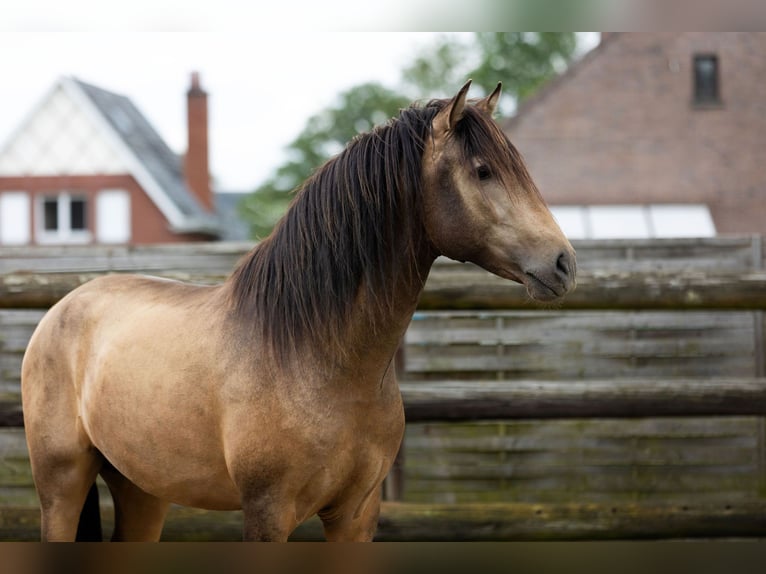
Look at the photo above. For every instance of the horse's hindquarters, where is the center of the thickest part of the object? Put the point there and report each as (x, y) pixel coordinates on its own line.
(127, 367)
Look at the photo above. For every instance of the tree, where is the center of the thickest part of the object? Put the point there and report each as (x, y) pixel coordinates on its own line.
(521, 60)
(326, 133)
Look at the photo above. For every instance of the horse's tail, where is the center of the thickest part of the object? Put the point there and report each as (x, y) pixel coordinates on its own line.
(89, 527)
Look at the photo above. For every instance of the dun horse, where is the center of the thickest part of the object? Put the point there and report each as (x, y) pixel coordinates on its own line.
(274, 392)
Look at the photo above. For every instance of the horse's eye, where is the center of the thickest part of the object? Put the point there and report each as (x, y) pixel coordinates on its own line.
(483, 172)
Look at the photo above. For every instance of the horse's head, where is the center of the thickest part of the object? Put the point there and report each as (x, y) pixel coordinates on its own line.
(481, 205)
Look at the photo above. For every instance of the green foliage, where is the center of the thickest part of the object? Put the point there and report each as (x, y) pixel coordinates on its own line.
(521, 60)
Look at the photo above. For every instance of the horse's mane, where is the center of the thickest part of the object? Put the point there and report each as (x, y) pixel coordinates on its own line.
(356, 223)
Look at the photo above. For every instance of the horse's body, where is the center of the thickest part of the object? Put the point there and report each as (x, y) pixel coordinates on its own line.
(275, 392)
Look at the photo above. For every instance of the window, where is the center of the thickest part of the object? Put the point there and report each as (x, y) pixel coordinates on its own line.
(63, 218)
(51, 214)
(77, 215)
(14, 218)
(634, 221)
(113, 223)
(706, 81)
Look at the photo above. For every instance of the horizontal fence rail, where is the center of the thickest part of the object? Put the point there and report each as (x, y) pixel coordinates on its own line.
(454, 288)
(638, 290)
(470, 522)
(489, 400)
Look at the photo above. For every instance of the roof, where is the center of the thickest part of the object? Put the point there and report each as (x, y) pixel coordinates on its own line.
(145, 143)
(233, 227)
(139, 148)
(163, 166)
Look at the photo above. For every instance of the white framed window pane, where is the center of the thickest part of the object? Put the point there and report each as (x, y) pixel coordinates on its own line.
(693, 220)
(113, 216)
(619, 222)
(51, 214)
(14, 218)
(61, 219)
(78, 214)
(572, 220)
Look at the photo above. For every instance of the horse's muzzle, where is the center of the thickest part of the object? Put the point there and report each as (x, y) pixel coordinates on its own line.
(549, 282)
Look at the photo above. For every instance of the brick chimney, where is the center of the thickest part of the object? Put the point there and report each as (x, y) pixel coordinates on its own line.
(196, 167)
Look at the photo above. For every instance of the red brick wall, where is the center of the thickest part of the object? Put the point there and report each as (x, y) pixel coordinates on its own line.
(621, 127)
(148, 225)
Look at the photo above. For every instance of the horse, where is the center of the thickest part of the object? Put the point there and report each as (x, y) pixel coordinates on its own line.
(274, 392)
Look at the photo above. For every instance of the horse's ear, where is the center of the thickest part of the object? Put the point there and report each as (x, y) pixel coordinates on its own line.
(489, 103)
(451, 114)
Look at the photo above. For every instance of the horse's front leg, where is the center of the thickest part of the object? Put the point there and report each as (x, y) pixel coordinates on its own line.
(267, 518)
(353, 522)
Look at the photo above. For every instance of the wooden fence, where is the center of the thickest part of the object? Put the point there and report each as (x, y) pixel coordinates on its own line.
(635, 409)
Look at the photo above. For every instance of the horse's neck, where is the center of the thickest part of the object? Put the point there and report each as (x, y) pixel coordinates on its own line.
(373, 338)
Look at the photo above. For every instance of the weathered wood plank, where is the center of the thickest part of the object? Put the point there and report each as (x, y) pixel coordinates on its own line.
(516, 328)
(567, 522)
(595, 489)
(660, 460)
(729, 252)
(579, 344)
(477, 522)
(11, 414)
(217, 257)
(522, 434)
(43, 290)
(472, 288)
(473, 400)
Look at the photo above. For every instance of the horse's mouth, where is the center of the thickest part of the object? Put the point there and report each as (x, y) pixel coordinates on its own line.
(541, 290)
(537, 288)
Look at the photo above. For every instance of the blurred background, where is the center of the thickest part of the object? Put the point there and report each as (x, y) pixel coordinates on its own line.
(627, 135)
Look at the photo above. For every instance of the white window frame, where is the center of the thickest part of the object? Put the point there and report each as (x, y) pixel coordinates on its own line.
(64, 234)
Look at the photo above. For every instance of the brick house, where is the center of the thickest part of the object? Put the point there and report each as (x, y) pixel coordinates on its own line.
(87, 167)
(653, 134)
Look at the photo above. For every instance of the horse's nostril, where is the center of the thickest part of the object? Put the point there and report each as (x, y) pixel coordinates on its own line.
(563, 264)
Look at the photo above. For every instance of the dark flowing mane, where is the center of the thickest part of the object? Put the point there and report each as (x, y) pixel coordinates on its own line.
(356, 223)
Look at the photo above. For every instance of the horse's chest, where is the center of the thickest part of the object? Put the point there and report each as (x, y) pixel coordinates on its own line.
(335, 431)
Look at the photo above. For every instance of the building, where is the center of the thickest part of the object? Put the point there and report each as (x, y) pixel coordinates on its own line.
(653, 134)
(87, 167)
